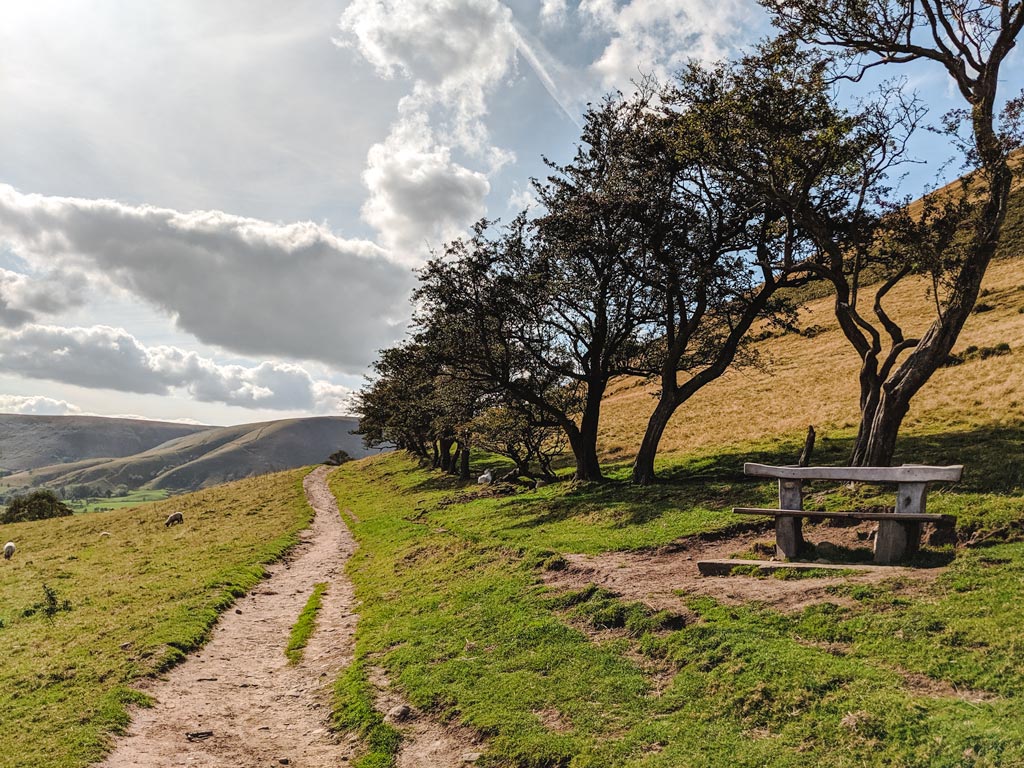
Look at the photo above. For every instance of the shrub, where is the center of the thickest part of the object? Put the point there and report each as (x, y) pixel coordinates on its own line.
(38, 505)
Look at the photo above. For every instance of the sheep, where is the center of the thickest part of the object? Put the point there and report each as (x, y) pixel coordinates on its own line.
(486, 478)
(539, 483)
(9, 550)
(173, 518)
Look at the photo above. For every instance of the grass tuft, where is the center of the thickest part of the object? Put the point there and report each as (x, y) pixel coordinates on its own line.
(304, 625)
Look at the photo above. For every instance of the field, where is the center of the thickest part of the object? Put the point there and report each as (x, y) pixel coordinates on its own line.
(106, 504)
(894, 672)
(83, 614)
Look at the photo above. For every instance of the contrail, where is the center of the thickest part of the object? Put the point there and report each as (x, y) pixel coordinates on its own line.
(530, 54)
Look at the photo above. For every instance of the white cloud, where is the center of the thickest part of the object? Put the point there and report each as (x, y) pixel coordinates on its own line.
(553, 12)
(419, 196)
(37, 405)
(455, 52)
(256, 287)
(111, 358)
(659, 36)
(22, 296)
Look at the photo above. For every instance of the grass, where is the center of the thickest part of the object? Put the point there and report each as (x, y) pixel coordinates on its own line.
(836, 684)
(84, 615)
(303, 628)
(106, 504)
(814, 380)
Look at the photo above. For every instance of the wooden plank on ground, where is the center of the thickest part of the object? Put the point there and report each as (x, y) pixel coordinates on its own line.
(815, 514)
(908, 473)
(724, 567)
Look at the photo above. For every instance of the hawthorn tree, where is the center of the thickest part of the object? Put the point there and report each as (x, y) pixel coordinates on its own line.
(970, 41)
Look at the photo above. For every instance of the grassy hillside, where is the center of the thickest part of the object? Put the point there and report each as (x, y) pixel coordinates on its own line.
(208, 458)
(83, 614)
(902, 671)
(455, 607)
(812, 379)
(27, 442)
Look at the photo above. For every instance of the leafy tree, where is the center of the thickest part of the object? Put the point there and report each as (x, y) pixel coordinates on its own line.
(514, 432)
(970, 41)
(38, 505)
(551, 309)
(711, 252)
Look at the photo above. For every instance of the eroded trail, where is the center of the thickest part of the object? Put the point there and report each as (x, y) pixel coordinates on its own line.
(258, 709)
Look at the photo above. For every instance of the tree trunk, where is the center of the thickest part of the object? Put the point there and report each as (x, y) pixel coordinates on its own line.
(446, 454)
(584, 448)
(464, 460)
(643, 465)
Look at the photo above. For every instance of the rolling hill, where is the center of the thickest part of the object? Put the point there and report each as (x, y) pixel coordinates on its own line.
(28, 442)
(206, 457)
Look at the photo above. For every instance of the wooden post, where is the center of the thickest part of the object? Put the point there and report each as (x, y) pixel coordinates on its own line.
(898, 540)
(789, 539)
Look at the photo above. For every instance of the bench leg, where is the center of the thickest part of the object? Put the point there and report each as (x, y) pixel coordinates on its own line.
(896, 541)
(789, 537)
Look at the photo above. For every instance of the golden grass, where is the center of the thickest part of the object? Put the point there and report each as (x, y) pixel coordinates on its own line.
(814, 380)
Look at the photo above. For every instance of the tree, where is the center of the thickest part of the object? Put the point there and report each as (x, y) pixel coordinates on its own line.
(549, 310)
(970, 40)
(38, 505)
(514, 432)
(712, 254)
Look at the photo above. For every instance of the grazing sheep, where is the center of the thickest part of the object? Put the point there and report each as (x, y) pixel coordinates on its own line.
(486, 478)
(174, 518)
(8, 550)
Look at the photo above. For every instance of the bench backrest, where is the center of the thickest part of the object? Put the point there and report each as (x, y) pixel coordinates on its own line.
(908, 473)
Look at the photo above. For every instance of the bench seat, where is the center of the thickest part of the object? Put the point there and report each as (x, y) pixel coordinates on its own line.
(913, 517)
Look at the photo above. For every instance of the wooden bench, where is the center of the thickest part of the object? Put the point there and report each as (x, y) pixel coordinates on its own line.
(899, 532)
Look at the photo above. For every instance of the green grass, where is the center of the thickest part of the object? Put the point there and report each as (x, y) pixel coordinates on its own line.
(304, 626)
(105, 504)
(123, 606)
(453, 608)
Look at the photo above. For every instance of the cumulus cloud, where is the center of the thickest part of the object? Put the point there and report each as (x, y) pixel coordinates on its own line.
(111, 358)
(36, 405)
(23, 296)
(454, 52)
(659, 36)
(553, 12)
(419, 196)
(256, 287)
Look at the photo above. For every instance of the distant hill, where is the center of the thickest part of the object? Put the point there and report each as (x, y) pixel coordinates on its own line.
(28, 442)
(207, 457)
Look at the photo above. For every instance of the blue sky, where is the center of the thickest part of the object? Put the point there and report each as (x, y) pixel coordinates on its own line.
(211, 211)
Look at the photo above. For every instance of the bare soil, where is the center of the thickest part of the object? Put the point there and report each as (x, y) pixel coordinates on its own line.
(664, 578)
(239, 689)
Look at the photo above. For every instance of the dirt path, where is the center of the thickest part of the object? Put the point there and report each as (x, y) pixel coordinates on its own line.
(662, 579)
(261, 711)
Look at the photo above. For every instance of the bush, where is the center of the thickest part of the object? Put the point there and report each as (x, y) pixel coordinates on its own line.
(38, 505)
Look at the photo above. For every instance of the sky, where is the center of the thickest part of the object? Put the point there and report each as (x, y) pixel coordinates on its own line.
(212, 212)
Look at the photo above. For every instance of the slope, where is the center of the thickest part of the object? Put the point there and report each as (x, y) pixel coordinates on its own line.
(210, 457)
(28, 442)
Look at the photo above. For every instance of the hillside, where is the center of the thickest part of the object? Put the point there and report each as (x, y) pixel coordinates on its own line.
(28, 442)
(811, 378)
(209, 457)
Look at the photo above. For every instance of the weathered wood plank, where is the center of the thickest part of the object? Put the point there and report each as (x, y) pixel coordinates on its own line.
(908, 473)
(892, 543)
(815, 514)
(724, 567)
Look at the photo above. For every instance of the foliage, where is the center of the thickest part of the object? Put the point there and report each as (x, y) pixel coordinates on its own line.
(38, 505)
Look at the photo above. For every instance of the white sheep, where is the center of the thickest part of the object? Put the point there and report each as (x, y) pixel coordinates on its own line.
(486, 478)
(9, 550)
(174, 518)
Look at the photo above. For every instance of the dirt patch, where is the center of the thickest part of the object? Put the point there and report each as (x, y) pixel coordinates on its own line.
(922, 685)
(663, 578)
(239, 698)
(426, 743)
